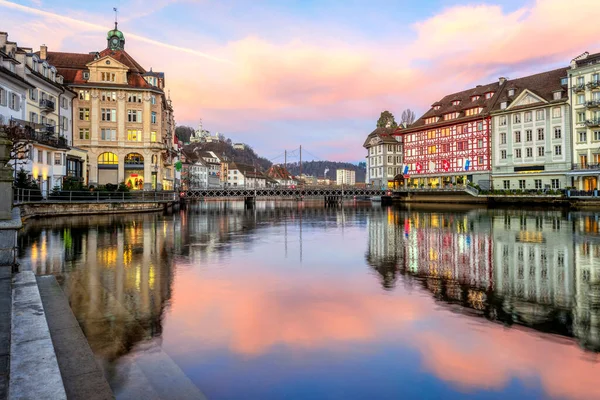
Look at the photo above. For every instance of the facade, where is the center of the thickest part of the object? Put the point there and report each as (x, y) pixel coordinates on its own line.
(384, 157)
(584, 89)
(531, 133)
(122, 117)
(13, 87)
(245, 176)
(450, 143)
(345, 177)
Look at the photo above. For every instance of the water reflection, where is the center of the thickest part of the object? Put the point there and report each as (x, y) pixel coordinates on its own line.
(281, 292)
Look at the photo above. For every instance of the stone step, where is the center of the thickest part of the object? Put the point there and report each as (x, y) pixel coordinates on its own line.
(34, 371)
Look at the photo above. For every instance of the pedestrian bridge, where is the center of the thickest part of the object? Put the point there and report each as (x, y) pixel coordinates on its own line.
(297, 192)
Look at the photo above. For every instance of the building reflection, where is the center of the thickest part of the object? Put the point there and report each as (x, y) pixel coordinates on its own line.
(532, 268)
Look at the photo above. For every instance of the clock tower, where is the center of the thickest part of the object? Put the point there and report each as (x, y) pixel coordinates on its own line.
(116, 39)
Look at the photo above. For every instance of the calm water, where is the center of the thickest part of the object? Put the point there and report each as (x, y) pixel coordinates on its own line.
(297, 301)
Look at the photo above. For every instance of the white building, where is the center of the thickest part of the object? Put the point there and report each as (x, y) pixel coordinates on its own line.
(13, 87)
(384, 157)
(345, 177)
(239, 146)
(584, 90)
(245, 176)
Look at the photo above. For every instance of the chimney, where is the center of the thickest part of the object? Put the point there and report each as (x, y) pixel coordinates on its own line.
(502, 80)
(43, 52)
(3, 38)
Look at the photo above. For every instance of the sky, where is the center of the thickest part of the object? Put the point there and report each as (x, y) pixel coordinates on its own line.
(279, 74)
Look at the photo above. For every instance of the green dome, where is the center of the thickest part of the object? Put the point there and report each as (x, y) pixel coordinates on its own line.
(115, 32)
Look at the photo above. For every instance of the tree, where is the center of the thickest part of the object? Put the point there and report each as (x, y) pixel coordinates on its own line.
(408, 117)
(386, 120)
(184, 133)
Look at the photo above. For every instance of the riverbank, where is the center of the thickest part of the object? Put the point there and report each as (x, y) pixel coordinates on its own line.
(48, 208)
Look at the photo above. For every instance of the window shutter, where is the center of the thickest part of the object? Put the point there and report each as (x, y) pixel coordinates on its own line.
(2, 97)
(17, 103)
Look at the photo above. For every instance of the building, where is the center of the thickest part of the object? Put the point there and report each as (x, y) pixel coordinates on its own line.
(531, 145)
(239, 146)
(281, 176)
(384, 157)
(201, 135)
(245, 176)
(584, 90)
(345, 177)
(450, 143)
(42, 115)
(122, 117)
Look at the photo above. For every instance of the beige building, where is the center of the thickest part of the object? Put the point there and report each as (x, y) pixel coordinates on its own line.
(121, 116)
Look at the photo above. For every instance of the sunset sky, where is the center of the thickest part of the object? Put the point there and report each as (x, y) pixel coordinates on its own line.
(277, 74)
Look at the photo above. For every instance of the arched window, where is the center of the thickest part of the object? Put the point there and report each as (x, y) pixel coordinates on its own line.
(134, 158)
(154, 159)
(108, 158)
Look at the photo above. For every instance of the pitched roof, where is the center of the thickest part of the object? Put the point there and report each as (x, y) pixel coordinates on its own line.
(69, 60)
(543, 85)
(465, 103)
(587, 59)
(279, 172)
(248, 171)
(385, 134)
(124, 58)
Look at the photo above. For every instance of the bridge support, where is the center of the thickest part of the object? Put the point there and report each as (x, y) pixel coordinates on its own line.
(249, 201)
(332, 201)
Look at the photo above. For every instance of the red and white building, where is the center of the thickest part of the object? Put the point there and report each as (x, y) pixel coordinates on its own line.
(451, 143)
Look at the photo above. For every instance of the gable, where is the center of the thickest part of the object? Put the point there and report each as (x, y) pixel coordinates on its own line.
(107, 62)
(526, 98)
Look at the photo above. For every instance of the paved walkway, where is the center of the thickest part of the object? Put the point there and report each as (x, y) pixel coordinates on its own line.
(5, 316)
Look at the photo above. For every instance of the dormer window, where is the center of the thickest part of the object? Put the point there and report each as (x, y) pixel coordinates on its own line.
(511, 92)
(557, 96)
(503, 105)
(436, 107)
(86, 75)
(474, 98)
(448, 116)
(564, 81)
(107, 76)
(456, 102)
(473, 111)
(430, 120)
(489, 95)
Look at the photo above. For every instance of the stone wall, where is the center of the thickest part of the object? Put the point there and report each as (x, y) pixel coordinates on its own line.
(54, 209)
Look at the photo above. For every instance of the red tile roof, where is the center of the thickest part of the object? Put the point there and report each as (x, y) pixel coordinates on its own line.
(279, 172)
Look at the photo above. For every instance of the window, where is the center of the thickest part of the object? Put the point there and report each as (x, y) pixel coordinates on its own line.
(528, 116)
(503, 154)
(503, 120)
(506, 184)
(153, 117)
(555, 183)
(153, 99)
(517, 118)
(557, 95)
(480, 143)
(540, 151)
(448, 116)
(431, 120)
(84, 95)
(86, 75)
(596, 136)
(474, 98)
(134, 98)
(48, 158)
(134, 115)
(517, 136)
(57, 159)
(436, 107)
(456, 102)
(64, 103)
(33, 94)
(153, 136)
(108, 159)
(595, 78)
(108, 114)
(557, 133)
(521, 183)
(14, 101)
(556, 112)
(581, 80)
(538, 183)
(528, 135)
(540, 134)
(529, 152)
(480, 161)
(511, 92)
(582, 136)
(502, 137)
(108, 96)
(84, 133)
(65, 123)
(489, 95)
(84, 114)
(108, 134)
(517, 153)
(539, 115)
(33, 117)
(134, 135)
(107, 76)
(40, 156)
(564, 81)
(557, 150)
(473, 111)
(580, 98)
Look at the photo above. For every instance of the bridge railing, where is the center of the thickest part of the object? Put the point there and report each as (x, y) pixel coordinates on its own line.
(25, 196)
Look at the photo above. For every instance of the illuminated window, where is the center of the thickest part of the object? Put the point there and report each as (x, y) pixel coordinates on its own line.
(134, 158)
(108, 158)
(108, 96)
(84, 114)
(134, 135)
(84, 133)
(84, 95)
(107, 76)
(153, 136)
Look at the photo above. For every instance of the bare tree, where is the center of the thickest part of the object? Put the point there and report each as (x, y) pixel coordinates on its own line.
(408, 117)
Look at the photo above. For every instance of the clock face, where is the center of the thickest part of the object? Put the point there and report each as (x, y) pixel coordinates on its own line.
(115, 41)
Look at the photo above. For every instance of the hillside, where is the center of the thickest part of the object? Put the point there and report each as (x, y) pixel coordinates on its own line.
(317, 168)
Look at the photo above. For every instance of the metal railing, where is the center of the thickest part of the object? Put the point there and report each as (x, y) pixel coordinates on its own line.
(585, 166)
(47, 104)
(24, 196)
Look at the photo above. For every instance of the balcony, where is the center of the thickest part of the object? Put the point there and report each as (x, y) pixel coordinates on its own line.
(579, 87)
(592, 122)
(47, 105)
(47, 129)
(585, 167)
(594, 84)
(35, 133)
(592, 104)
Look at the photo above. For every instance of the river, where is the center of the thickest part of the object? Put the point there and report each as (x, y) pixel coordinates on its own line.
(293, 300)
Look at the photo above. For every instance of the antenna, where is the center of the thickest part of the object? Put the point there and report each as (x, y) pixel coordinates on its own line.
(116, 12)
